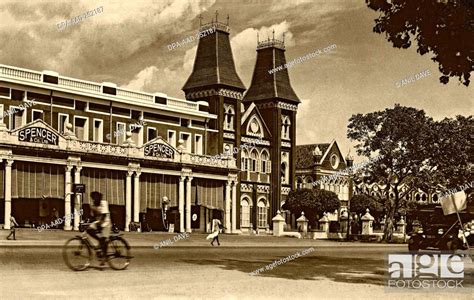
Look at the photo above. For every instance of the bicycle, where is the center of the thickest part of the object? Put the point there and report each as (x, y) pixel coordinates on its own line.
(77, 252)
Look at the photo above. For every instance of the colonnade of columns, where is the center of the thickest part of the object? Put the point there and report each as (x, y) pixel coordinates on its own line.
(184, 198)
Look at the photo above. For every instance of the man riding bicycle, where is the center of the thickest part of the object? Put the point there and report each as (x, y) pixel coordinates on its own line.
(103, 224)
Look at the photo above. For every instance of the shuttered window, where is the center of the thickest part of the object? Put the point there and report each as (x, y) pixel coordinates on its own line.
(153, 187)
(33, 180)
(111, 183)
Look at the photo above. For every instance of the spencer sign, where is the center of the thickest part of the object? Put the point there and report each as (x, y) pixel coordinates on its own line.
(159, 150)
(38, 135)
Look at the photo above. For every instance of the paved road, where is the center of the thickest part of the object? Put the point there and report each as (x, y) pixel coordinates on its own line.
(206, 273)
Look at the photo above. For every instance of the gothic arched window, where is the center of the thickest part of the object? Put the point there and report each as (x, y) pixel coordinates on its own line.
(245, 212)
(229, 114)
(253, 161)
(285, 127)
(265, 161)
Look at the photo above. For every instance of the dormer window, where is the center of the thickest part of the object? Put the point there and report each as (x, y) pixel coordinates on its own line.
(285, 127)
(229, 114)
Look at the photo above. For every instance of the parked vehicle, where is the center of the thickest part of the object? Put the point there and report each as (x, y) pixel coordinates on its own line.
(440, 232)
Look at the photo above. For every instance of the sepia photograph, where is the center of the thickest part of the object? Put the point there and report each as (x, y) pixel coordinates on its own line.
(236, 149)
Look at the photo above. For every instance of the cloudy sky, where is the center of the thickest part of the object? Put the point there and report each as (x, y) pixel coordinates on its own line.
(127, 44)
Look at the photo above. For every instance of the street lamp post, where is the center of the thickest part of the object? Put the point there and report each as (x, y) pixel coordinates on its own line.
(350, 162)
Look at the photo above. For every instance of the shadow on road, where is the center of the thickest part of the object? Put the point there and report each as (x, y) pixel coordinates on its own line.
(339, 269)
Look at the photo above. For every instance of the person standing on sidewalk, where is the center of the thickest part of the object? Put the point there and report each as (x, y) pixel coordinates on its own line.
(13, 223)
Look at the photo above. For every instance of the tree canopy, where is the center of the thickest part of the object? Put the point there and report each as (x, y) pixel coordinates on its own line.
(418, 153)
(360, 203)
(444, 28)
(313, 202)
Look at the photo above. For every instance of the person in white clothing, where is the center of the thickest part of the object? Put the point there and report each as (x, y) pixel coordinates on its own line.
(102, 225)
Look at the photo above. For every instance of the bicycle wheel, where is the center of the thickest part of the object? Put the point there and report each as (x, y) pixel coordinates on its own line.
(77, 254)
(118, 253)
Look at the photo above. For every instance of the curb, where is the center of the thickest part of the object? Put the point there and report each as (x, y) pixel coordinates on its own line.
(139, 245)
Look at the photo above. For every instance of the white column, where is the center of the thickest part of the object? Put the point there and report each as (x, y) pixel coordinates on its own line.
(228, 201)
(181, 203)
(234, 207)
(136, 197)
(8, 192)
(77, 201)
(67, 196)
(128, 200)
(188, 204)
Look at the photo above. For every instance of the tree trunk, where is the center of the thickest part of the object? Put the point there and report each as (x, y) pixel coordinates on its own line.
(389, 222)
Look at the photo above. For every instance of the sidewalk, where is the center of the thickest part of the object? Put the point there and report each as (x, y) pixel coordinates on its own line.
(57, 238)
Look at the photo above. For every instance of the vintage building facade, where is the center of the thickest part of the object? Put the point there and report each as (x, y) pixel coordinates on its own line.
(139, 148)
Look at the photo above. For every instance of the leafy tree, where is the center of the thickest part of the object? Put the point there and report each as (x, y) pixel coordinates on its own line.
(313, 202)
(443, 27)
(360, 203)
(416, 154)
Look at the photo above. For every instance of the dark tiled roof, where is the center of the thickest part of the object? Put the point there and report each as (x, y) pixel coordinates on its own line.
(305, 157)
(214, 64)
(267, 86)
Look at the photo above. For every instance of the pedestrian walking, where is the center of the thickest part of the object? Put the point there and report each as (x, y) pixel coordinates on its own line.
(13, 223)
(216, 228)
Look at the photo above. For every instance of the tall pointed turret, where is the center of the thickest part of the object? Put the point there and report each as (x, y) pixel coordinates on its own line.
(214, 64)
(269, 82)
(277, 102)
(215, 80)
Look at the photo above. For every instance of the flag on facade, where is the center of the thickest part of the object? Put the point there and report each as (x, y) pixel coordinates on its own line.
(453, 201)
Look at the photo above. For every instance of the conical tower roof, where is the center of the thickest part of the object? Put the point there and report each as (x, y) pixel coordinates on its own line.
(269, 82)
(214, 63)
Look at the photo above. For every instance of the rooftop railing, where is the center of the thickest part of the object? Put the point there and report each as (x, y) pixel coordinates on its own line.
(92, 87)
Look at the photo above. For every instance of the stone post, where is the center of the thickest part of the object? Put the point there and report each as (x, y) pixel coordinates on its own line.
(324, 223)
(401, 225)
(302, 225)
(367, 223)
(278, 223)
